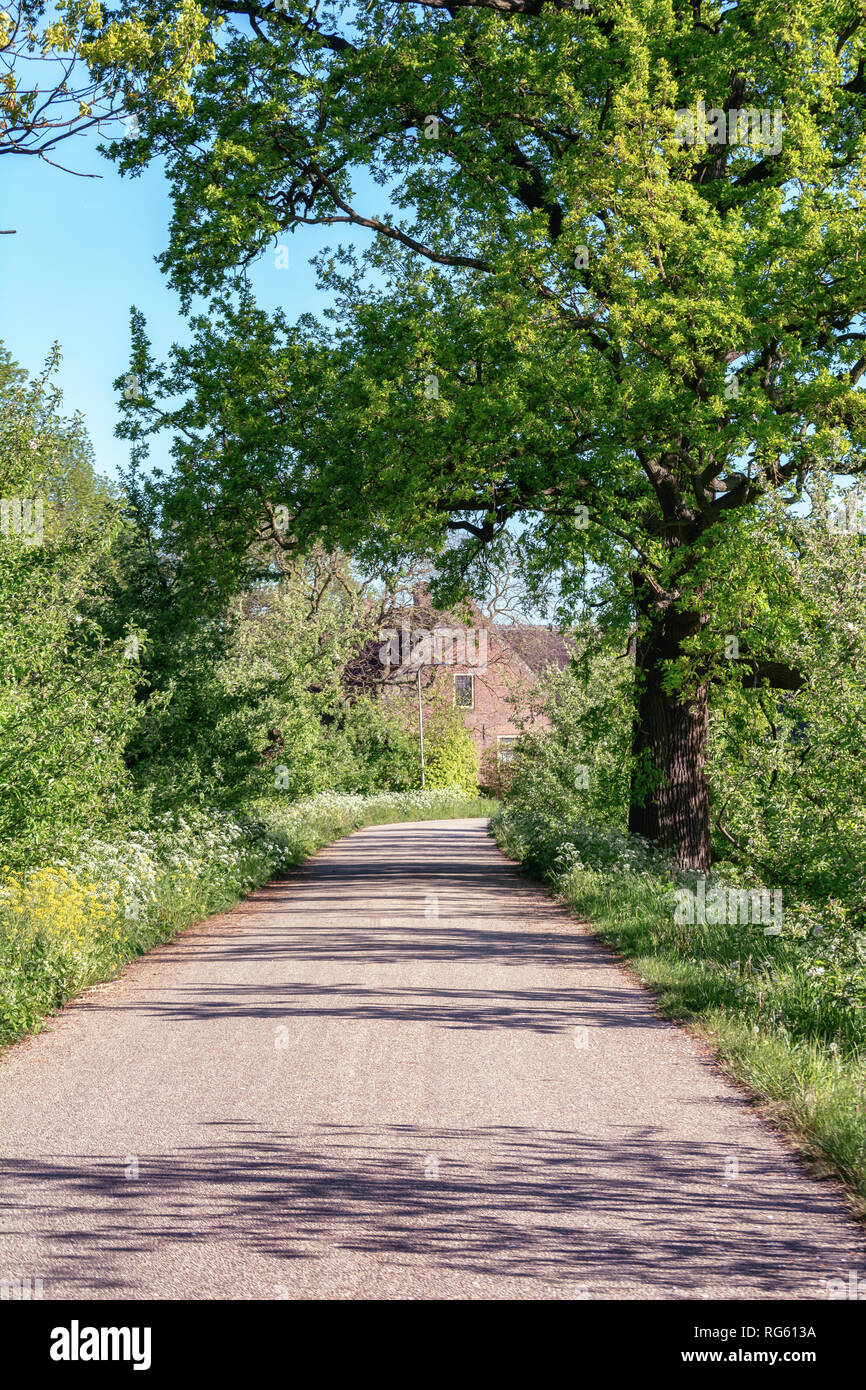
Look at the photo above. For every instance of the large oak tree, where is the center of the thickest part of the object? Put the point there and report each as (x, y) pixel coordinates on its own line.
(585, 312)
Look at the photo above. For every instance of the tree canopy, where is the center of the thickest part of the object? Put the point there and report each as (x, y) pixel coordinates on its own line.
(613, 290)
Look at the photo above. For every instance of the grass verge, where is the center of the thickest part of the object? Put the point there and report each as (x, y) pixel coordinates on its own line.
(78, 922)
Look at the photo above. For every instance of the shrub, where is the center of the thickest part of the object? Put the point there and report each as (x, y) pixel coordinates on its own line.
(369, 749)
(450, 756)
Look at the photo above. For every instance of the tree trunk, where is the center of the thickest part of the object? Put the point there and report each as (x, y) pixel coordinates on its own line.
(670, 797)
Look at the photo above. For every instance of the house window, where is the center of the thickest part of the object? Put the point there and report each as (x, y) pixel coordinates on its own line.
(464, 692)
(506, 747)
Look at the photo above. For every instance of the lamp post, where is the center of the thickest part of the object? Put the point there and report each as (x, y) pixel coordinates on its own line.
(421, 727)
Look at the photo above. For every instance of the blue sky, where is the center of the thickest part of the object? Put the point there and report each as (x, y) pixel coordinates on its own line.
(84, 252)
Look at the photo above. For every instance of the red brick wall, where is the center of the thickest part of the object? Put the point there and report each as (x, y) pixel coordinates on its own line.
(492, 715)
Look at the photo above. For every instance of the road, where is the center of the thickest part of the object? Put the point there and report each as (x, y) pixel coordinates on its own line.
(403, 1072)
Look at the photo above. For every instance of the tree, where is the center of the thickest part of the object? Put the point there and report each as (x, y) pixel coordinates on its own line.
(66, 687)
(787, 767)
(615, 297)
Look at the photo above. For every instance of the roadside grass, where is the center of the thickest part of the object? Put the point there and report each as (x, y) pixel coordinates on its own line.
(75, 923)
(785, 1015)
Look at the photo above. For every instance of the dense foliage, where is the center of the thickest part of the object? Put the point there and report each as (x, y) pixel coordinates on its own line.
(67, 703)
(129, 690)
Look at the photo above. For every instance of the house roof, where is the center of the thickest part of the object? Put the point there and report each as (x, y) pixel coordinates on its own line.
(537, 645)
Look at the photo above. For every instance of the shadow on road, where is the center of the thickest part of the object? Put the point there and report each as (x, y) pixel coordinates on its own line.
(506, 1201)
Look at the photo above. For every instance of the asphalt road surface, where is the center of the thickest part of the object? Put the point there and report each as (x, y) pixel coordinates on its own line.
(401, 1073)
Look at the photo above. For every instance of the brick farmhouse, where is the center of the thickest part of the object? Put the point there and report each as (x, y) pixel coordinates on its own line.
(485, 669)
